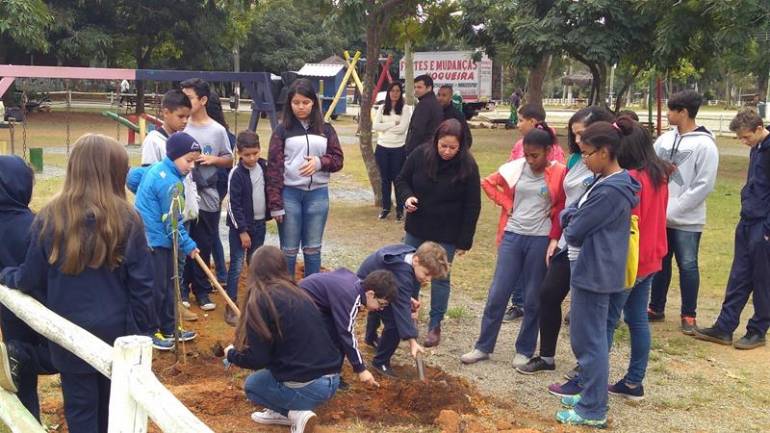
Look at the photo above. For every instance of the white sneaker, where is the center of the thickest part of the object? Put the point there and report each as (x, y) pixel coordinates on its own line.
(474, 356)
(208, 306)
(269, 417)
(520, 360)
(186, 304)
(303, 421)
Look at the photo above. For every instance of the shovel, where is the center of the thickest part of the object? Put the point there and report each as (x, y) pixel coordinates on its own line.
(420, 367)
(216, 285)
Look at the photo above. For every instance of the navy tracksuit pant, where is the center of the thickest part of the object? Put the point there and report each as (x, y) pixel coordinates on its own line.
(749, 275)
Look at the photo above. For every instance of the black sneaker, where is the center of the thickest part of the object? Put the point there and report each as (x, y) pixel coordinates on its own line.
(383, 214)
(714, 335)
(399, 215)
(654, 316)
(535, 365)
(750, 341)
(512, 313)
(384, 370)
(623, 390)
(372, 342)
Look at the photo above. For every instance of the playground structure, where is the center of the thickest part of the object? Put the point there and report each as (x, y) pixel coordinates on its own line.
(257, 84)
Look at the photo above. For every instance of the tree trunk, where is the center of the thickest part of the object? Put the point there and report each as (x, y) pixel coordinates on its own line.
(762, 77)
(626, 86)
(365, 124)
(536, 79)
(408, 73)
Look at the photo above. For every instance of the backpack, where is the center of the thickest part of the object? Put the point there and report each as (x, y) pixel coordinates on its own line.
(632, 262)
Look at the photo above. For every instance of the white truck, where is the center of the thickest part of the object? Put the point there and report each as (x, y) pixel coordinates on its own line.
(473, 80)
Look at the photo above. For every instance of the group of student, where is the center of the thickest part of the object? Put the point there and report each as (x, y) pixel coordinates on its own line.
(107, 266)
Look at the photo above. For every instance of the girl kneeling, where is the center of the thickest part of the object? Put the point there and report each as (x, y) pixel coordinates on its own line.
(282, 335)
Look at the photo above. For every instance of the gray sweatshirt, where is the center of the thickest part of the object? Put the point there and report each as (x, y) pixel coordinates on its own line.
(696, 159)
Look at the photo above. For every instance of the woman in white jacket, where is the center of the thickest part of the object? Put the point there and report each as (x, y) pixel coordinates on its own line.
(392, 122)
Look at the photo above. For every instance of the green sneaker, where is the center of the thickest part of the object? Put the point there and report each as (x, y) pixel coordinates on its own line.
(570, 401)
(570, 417)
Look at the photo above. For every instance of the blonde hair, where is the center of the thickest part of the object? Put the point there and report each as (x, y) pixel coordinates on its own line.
(88, 221)
(433, 257)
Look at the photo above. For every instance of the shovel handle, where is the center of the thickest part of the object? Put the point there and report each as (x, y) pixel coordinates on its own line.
(216, 284)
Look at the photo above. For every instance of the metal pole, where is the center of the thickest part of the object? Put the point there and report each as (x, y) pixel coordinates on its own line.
(659, 96)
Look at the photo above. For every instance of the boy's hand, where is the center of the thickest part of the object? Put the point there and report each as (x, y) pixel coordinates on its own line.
(308, 168)
(194, 253)
(367, 378)
(207, 160)
(245, 241)
(552, 244)
(415, 348)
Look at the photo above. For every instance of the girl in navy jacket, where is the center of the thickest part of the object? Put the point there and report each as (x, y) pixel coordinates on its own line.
(88, 261)
(597, 230)
(282, 335)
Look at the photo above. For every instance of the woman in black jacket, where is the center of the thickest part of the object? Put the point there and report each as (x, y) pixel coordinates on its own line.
(440, 187)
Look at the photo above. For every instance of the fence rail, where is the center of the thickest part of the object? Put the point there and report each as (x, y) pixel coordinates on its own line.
(136, 393)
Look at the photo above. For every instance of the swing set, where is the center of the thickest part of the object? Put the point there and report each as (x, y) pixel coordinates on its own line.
(257, 84)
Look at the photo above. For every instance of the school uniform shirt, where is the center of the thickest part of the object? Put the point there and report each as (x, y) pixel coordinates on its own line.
(576, 182)
(248, 203)
(154, 188)
(16, 181)
(108, 303)
(339, 296)
(304, 352)
(599, 225)
(288, 149)
(696, 158)
(755, 195)
(393, 258)
(213, 140)
(447, 211)
(153, 152)
(392, 136)
(531, 205)
(653, 241)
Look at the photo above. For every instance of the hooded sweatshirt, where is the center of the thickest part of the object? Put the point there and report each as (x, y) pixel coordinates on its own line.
(393, 258)
(755, 195)
(696, 158)
(599, 225)
(16, 181)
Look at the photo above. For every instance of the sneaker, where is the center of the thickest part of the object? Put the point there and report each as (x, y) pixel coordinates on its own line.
(186, 302)
(570, 417)
(383, 214)
(570, 401)
(654, 316)
(535, 365)
(750, 341)
(399, 215)
(520, 360)
(384, 370)
(573, 374)
(184, 336)
(474, 356)
(565, 389)
(623, 390)
(512, 313)
(205, 303)
(303, 421)
(714, 335)
(162, 343)
(372, 342)
(269, 417)
(688, 325)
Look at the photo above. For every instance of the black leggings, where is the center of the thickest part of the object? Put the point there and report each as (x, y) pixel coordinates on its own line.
(553, 290)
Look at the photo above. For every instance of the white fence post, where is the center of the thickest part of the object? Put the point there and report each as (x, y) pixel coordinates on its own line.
(131, 354)
(16, 416)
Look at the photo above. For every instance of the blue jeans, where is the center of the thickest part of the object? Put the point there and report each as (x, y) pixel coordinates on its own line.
(518, 257)
(261, 388)
(439, 289)
(236, 255)
(635, 315)
(303, 225)
(389, 162)
(588, 334)
(683, 246)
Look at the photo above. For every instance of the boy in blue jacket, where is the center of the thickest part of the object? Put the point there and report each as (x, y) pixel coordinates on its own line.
(339, 295)
(246, 212)
(154, 188)
(28, 353)
(411, 267)
(750, 272)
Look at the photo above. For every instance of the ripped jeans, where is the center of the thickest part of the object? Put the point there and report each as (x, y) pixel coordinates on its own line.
(303, 225)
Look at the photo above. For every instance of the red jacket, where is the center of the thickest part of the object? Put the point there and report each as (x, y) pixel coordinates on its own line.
(653, 244)
(500, 187)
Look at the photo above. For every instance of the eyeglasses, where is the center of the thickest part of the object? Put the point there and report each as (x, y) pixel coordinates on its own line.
(588, 155)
